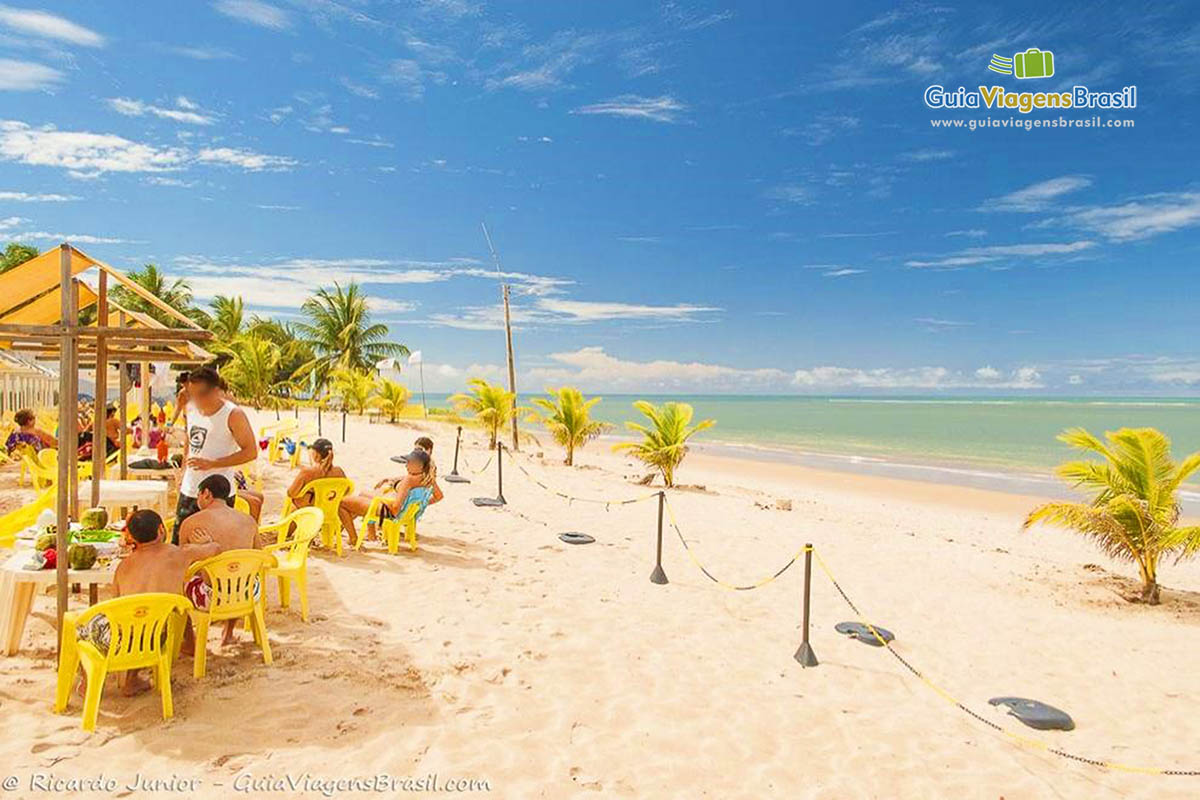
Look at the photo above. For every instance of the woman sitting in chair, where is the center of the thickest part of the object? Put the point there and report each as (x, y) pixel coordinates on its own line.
(420, 475)
(28, 434)
(320, 454)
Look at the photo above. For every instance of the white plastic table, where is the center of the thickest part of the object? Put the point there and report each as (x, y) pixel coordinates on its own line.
(19, 586)
(126, 494)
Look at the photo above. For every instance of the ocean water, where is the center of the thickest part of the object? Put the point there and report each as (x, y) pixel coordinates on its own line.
(968, 439)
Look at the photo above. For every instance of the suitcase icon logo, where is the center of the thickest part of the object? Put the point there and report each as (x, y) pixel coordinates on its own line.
(1033, 63)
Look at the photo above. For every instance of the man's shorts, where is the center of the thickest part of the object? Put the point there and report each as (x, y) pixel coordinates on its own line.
(97, 632)
(198, 590)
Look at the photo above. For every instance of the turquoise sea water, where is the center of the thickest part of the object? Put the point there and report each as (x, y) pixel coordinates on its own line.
(987, 434)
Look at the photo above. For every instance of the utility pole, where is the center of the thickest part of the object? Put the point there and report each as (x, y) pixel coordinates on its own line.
(512, 370)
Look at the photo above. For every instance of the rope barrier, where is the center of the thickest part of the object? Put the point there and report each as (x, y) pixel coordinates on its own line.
(573, 499)
(481, 470)
(1024, 741)
(714, 578)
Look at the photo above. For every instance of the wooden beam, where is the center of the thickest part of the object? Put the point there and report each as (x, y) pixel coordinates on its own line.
(123, 403)
(8, 331)
(141, 292)
(99, 415)
(67, 415)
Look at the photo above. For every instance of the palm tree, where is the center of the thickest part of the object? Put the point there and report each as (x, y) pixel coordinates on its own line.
(664, 442)
(566, 415)
(392, 398)
(1135, 510)
(227, 321)
(491, 404)
(354, 388)
(252, 369)
(15, 254)
(176, 293)
(341, 333)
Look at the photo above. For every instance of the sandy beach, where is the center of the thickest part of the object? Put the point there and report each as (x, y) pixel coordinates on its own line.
(499, 653)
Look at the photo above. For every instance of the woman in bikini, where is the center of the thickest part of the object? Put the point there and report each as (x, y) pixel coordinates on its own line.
(420, 474)
(321, 465)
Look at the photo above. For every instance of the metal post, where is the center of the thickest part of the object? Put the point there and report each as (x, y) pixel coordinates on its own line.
(498, 500)
(658, 576)
(805, 654)
(454, 477)
(424, 403)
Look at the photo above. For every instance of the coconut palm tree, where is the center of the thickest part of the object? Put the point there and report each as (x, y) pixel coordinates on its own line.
(176, 293)
(491, 404)
(15, 254)
(664, 441)
(252, 371)
(567, 416)
(392, 397)
(340, 331)
(227, 320)
(1134, 512)
(353, 387)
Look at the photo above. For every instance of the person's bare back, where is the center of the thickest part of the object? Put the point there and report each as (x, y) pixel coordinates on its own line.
(159, 567)
(227, 527)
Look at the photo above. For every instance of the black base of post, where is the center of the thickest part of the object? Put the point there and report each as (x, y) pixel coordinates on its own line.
(658, 576)
(454, 477)
(488, 501)
(806, 656)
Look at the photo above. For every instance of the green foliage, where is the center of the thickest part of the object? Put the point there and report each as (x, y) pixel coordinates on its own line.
(176, 293)
(567, 416)
(338, 327)
(253, 369)
(227, 320)
(1134, 511)
(392, 397)
(489, 403)
(353, 387)
(664, 440)
(16, 254)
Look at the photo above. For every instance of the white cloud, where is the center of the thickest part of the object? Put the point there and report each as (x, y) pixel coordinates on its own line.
(1037, 196)
(411, 78)
(823, 129)
(202, 53)
(910, 378)
(44, 25)
(88, 155)
(592, 367)
(842, 272)
(970, 233)
(1139, 218)
(360, 90)
(790, 193)
(74, 238)
(657, 109)
(972, 256)
(593, 311)
(254, 12)
(25, 197)
(928, 154)
(27, 76)
(246, 159)
(185, 110)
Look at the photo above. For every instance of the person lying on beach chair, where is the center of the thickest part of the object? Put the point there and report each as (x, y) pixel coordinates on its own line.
(420, 474)
(155, 565)
(422, 443)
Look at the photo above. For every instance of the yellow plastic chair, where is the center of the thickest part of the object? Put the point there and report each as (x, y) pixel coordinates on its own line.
(19, 519)
(279, 431)
(327, 494)
(144, 631)
(291, 554)
(414, 506)
(234, 577)
(241, 504)
(300, 437)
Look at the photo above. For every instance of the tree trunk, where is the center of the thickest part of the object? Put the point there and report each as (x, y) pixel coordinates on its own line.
(570, 462)
(1150, 594)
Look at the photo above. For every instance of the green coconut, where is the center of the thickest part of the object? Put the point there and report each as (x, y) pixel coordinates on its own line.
(45, 541)
(94, 518)
(81, 556)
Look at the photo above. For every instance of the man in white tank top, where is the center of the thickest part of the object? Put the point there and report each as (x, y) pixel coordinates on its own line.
(219, 439)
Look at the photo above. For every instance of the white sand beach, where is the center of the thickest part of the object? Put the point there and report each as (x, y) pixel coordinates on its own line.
(498, 653)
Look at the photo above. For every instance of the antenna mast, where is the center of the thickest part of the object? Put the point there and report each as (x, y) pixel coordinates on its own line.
(512, 372)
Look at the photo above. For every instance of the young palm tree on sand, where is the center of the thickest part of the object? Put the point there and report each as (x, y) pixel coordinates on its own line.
(1134, 512)
(491, 404)
(664, 442)
(566, 414)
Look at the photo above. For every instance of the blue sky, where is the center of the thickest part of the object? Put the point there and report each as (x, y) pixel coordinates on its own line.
(686, 196)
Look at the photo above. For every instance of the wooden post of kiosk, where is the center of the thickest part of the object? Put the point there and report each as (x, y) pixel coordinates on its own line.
(145, 398)
(123, 402)
(67, 416)
(99, 418)
(72, 442)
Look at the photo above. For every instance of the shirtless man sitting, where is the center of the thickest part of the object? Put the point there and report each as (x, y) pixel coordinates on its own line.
(216, 521)
(155, 565)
